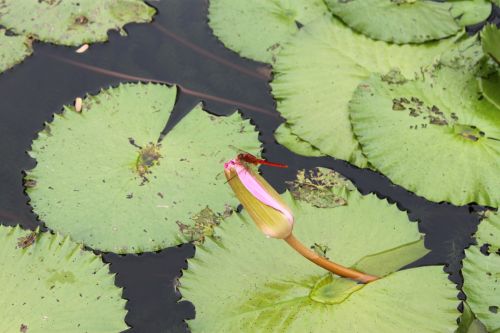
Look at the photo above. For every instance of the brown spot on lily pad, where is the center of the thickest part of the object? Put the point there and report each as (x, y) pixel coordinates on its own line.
(397, 105)
(321, 187)
(149, 156)
(394, 76)
(204, 223)
(81, 20)
(416, 108)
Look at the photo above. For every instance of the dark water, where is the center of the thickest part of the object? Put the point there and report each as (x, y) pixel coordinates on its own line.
(179, 48)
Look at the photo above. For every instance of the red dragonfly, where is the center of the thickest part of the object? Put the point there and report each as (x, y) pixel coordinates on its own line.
(249, 158)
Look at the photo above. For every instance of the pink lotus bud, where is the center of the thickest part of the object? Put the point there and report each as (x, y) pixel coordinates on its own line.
(262, 202)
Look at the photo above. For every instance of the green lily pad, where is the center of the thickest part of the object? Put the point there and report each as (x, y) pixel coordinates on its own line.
(257, 29)
(469, 12)
(317, 72)
(476, 326)
(489, 231)
(490, 39)
(254, 284)
(481, 273)
(103, 178)
(397, 21)
(490, 87)
(72, 22)
(469, 323)
(13, 50)
(432, 130)
(50, 284)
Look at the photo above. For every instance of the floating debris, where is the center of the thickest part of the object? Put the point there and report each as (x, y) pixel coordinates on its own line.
(78, 104)
(26, 241)
(82, 48)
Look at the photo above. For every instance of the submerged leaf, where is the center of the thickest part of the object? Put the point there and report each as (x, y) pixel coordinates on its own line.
(432, 135)
(397, 21)
(13, 50)
(257, 29)
(50, 284)
(254, 284)
(71, 22)
(317, 72)
(103, 177)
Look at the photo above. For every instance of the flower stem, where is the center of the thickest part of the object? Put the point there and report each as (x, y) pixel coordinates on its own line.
(327, 264)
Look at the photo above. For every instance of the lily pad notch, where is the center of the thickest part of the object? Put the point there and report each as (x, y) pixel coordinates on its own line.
(104, 178)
